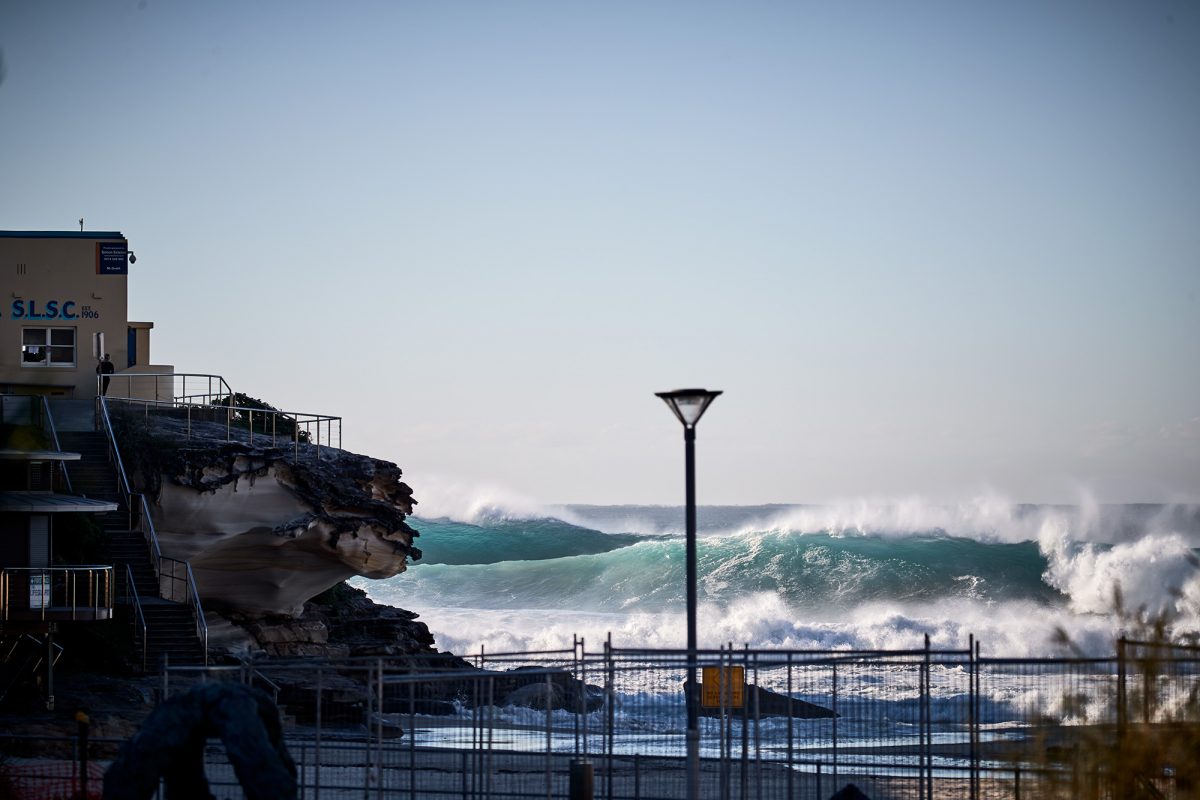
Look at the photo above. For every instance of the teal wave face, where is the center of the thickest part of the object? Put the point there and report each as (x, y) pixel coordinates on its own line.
(541, 565)
(448, 542)
(843, 571)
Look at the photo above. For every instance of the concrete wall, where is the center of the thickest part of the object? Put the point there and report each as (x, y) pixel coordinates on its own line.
(75, 286)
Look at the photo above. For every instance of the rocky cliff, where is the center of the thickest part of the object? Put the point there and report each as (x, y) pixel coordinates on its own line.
(266, 531)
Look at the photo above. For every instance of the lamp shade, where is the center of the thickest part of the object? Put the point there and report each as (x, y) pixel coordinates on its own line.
(688, 404)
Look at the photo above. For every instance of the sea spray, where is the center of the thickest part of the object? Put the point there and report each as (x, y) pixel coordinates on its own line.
(850, 576)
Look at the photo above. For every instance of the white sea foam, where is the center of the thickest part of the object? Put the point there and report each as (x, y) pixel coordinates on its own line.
(1156, 574)
(989, 516)
(765, 621)
(480, 504)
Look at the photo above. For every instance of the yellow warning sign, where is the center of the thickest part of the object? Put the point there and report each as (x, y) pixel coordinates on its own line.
(723, 686)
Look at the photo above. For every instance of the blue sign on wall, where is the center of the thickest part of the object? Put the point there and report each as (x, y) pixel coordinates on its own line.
(112, 258)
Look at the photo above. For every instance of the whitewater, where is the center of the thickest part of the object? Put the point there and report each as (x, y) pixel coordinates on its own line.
(509, 575)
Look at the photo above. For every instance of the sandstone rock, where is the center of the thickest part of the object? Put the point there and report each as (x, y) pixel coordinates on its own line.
(265, 531)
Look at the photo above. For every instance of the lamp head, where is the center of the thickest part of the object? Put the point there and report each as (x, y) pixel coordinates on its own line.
(688, 405)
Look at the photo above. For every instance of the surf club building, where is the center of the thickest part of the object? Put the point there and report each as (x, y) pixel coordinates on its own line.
(64, 305)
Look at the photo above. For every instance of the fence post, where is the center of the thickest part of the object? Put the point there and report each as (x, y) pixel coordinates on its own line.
(1122, 708)
(581, 779)
(791, 773)
(758, 778)
(978, 700)
(926, 729)
(367, 702)
(81, 717)
(610, 717)
(725, 662)
(574, 672)
(744, 779)
(317, 774)
(489, 766)
(583, 694)
(412, 740)
(378, 728)
(972, 717)
(834, 708)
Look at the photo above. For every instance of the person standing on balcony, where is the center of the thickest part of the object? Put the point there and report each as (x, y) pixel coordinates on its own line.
(104, 369)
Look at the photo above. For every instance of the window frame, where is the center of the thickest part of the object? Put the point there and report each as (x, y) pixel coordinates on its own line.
(50, 347)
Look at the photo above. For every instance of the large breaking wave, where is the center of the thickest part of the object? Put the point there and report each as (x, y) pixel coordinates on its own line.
(858, 574)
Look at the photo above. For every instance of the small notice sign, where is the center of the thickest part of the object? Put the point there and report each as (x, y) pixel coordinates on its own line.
(39, 590)
(112, 258)
(723, 686)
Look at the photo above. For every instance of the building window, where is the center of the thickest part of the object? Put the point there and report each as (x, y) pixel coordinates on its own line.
(48, 347)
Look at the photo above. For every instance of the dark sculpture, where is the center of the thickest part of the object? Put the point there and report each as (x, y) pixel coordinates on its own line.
(849, 792)
(170, 745)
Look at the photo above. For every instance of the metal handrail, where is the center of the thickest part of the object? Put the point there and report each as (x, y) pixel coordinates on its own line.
(217, 388)
(98, 595)
(223, 388)
(191, 596)
(250, 672)
(131, 587)
(146, 526)
(146, 523)
(201, 622)
(54, 438)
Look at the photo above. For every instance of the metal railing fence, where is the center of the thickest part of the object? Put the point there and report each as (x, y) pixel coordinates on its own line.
(49, 418)
(208, 405)
(56, 593)
(140, 629)
(176, 582)
(921, 723)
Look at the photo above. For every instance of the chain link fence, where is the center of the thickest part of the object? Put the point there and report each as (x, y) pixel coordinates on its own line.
(918, 724)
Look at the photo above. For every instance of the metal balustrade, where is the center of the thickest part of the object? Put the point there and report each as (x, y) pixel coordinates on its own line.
(180, 580)
(203, 404)
(56, 593)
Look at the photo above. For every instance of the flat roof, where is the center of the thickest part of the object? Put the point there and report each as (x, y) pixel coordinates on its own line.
(48, 503)
(61, 235)
(7, 454)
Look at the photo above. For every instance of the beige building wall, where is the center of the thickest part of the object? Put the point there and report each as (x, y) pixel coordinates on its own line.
(62, 293)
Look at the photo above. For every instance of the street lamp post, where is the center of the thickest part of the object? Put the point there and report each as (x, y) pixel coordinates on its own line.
(689, 405)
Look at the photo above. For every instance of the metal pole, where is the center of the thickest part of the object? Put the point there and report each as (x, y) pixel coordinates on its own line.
(693, 690)
(81, 717)
(317, 755)
(549, 742)
(49, 666)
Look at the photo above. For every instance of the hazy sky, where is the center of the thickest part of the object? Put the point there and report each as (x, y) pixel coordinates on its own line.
(932, 249)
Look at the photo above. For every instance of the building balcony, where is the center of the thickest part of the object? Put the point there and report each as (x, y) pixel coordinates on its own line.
(56, 594)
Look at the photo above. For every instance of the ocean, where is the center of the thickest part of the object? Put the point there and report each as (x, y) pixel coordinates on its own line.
(512, 576)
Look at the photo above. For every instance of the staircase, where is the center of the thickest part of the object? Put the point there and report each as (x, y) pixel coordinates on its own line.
(170, 626)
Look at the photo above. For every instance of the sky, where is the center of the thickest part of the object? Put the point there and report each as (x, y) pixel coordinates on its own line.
(927, 249)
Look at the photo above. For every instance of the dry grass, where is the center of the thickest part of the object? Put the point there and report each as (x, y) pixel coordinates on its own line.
(1151, 747)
